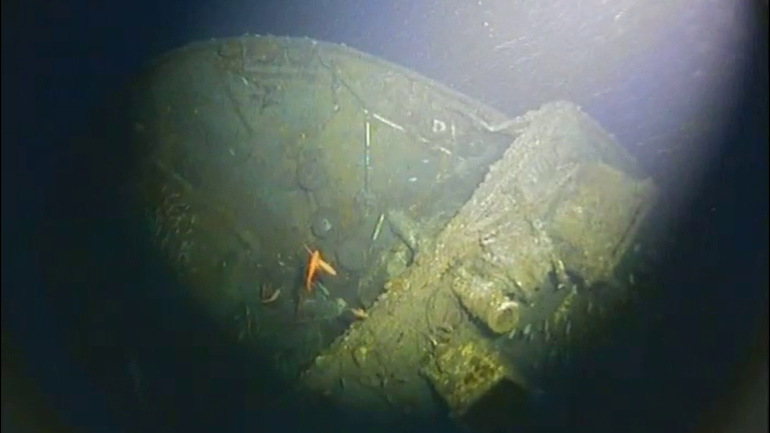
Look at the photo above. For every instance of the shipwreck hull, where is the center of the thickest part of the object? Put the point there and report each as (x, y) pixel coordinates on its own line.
(464, 239)
(554, 216)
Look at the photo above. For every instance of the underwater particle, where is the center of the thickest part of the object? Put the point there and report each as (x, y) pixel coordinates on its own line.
(360, 355)
(322, 223)
(527, 330)
(359, 313)
(472, 148)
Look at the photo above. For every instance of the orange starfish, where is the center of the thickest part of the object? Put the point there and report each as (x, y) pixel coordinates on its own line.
(314, 264)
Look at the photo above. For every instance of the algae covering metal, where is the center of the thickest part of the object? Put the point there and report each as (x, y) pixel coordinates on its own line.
(258, 149)
(506, 262)
(485, 392)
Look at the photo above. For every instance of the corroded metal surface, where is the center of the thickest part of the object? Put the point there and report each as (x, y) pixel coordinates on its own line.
(258, 147)
(468, 375)
(508, 229)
